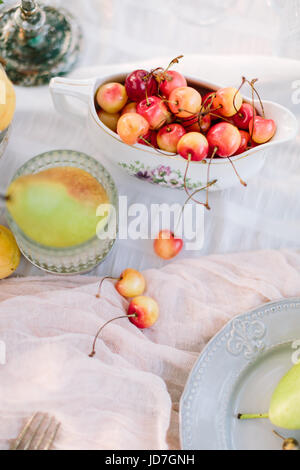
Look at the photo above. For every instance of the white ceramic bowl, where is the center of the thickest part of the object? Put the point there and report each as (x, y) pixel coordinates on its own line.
(167, 170)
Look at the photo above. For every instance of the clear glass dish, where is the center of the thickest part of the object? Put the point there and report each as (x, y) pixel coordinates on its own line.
(81, 258)
(4, 136)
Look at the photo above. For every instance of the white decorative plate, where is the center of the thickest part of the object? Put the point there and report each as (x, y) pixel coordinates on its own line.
(237, 373)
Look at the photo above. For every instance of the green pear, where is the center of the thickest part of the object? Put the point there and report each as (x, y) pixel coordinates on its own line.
(57, 207)
(284, 409)
(285, 404)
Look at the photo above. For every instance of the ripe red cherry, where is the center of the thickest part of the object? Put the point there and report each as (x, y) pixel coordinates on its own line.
(131, 127)
(151, 138)
(194, 146)
(143, 312)
(245, 139)
(154, 110)
(207, 101)
(138, 82)
(131, 283)
(192, 124)
(185, 102)
(169, 136)
(228, 100)
(252, 144)
(225, 137)
(262, 130)
(166, 246)
(171, 81)
(244, 116)
(205, 123)
(129, 108)
(111, 97)
(110, 120)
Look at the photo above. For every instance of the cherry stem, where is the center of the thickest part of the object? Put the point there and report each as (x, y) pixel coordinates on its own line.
(211, 183)
(185, 181)
(200, 114)
(92, 354)
(210, 104)
(180, 110)
(211, 111)
(253, 90)
(236, 172)
(156, 149)
(151, 74)
(237, 92)
(185, 175)
(253, 109)
(204, 111)
(160, 74)
(191, 196)
(162, 122)
(258, 96)
(220, 117)
(101, 282)
(278, 435)
(208, 173)
(174, 61)
(147, 97)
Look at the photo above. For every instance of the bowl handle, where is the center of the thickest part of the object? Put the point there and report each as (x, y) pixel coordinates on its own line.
(62, 87)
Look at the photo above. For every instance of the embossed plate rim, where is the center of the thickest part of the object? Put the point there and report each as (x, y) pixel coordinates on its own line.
(220, 340)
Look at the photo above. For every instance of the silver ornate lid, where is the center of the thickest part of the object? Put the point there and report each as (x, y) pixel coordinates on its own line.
(38, 42)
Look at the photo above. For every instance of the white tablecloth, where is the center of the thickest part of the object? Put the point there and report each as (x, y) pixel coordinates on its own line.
(267, 213)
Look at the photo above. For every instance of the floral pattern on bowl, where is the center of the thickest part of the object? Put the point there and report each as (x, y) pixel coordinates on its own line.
(163, 175)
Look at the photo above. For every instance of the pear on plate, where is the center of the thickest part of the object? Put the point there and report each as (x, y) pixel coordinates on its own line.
(284, 409)
(57, 207)
(285, 404)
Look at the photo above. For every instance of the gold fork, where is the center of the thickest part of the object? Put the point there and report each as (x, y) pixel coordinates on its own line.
(39, 433)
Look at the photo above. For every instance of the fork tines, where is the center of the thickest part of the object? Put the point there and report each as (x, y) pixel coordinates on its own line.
(38, 433)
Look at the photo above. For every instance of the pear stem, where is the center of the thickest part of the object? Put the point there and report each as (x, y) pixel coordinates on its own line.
(4, 200)
(92, 354)
(253, 416)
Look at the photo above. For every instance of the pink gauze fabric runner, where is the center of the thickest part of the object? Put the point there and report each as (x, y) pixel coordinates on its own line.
(127, 397)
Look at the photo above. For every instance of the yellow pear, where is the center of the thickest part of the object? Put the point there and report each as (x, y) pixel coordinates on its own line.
(9, 253)
(57, 207)
(7, 101)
